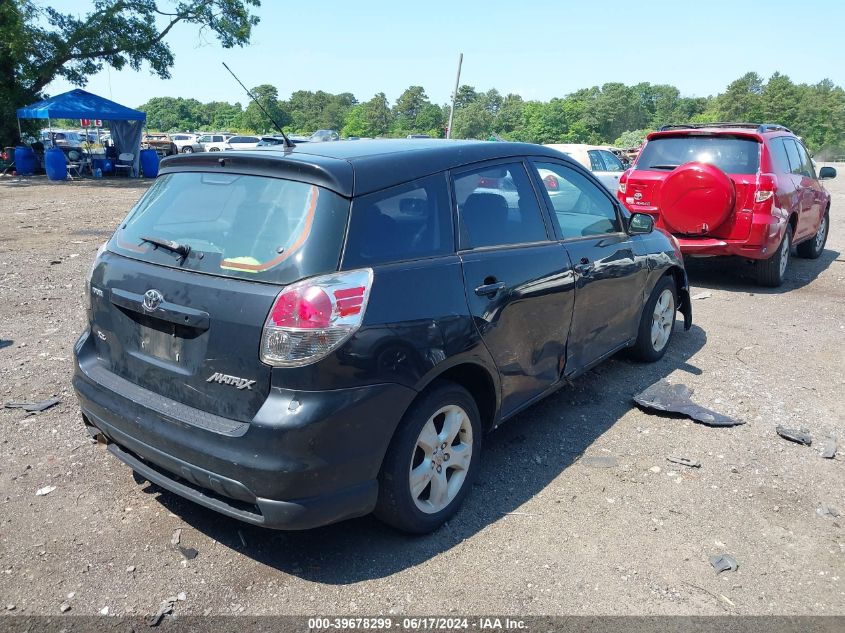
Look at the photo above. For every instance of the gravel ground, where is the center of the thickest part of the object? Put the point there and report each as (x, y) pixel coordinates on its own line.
(545, 531)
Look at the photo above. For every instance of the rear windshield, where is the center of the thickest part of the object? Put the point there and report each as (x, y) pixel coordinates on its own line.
(731, 154)
(253, 227)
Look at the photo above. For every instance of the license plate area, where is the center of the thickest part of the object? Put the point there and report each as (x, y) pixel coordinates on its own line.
(161, 339)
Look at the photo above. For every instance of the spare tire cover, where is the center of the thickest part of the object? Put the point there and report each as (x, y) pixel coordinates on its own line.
(696, 198)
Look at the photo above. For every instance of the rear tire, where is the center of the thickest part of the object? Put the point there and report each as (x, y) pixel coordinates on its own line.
(772, 271)
(814, 247)
(657, 322)
(187, 149)
(432, 460)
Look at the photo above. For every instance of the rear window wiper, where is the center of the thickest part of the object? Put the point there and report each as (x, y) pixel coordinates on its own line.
(176, 247)
(663, 166)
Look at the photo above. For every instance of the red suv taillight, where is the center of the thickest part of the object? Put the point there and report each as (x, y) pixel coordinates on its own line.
(623, 181)
(311, 318)
(767, 185)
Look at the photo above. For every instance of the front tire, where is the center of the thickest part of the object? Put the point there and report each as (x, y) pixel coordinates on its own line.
(432, 460)
(772, 271)
(657, 322)
(187, 149)
(813, 248)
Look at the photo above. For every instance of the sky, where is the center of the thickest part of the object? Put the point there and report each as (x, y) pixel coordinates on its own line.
(539, 49)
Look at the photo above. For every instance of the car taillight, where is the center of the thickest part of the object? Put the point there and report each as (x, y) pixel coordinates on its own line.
(767, 185)
(551, 183)
(623, 181)
(311, 318)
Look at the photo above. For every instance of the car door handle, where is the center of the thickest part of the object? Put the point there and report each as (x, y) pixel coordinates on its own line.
(490, 290)
(584, 267)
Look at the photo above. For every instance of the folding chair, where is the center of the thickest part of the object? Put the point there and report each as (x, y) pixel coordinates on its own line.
(74, 164)
(125, 161)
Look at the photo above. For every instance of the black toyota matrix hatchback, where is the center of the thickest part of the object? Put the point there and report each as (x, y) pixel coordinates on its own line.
(293, 338)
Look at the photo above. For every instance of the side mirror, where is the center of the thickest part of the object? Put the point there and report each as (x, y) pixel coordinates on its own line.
(640, 224)
(826, 173)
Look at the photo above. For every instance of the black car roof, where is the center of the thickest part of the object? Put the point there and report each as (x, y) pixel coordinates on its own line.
(357, 167)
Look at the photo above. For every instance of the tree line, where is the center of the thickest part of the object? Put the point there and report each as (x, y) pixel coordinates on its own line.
(614, 113)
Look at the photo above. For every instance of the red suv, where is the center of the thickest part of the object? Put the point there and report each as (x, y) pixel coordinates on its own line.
(741, 189)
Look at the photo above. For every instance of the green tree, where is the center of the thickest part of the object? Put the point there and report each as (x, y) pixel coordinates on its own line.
(742, 101)
(631, 138)
(41, 43)
(255, 120)
(378, 115)
(408, 107)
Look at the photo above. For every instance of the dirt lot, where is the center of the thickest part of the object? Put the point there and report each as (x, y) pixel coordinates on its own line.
(544, 531)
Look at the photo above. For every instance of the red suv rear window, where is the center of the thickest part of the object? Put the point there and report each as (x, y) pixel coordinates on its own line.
(731, 154)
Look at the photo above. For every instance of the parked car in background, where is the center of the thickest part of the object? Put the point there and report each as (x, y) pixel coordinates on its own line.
(161, 143)
(61, 138)
(597, 158)
(324, 135)
(243, 142)
(215, 142)
(187, 143)
(742, 189)
(270, 141)
(418, 136)
(293, 338)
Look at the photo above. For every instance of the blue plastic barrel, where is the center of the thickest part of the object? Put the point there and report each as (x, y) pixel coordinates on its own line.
(149, 163)
(55, 164)
(25, 161)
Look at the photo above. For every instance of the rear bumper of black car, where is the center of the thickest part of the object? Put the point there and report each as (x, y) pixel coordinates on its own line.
(306, 459)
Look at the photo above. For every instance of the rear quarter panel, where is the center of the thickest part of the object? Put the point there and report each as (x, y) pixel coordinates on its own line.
(417, 324)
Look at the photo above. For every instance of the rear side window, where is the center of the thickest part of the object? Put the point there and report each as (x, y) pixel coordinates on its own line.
(253, 227)
(806, 168)
(497, 207)
(731, 154)
(778, 155)
(611, 162)
(595, 160)
(409, 221)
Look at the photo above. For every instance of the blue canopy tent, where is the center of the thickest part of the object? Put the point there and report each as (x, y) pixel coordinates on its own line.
(125, 124)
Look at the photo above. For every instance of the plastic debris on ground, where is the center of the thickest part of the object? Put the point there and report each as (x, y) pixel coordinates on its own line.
(683, 461)
(33, 407)
(165, 608)
(666, 397)
(600, 461)
(724, 562)
(799, 436)
(825, 510)
(829, 448)
(44, 491)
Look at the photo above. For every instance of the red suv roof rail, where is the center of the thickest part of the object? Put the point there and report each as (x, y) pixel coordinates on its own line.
(760, 127)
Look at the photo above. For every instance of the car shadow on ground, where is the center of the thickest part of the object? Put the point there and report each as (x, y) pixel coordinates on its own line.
(738, 275)
(520, 460)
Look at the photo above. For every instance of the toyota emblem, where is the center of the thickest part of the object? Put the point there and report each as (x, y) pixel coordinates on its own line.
(638, 195)
(152, 300)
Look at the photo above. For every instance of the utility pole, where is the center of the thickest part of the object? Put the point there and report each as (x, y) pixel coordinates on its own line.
(454, 96)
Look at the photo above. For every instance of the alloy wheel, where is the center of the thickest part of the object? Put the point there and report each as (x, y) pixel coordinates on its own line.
(662, 320)
(821, 234)
(784, 255)
(441, 459)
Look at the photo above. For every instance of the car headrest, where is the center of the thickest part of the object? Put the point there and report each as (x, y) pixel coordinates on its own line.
(481, 208)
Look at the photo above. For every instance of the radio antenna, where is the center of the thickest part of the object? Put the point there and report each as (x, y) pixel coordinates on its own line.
(288, 144)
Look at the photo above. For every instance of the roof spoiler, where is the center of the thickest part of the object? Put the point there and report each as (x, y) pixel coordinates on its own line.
(759, 127)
